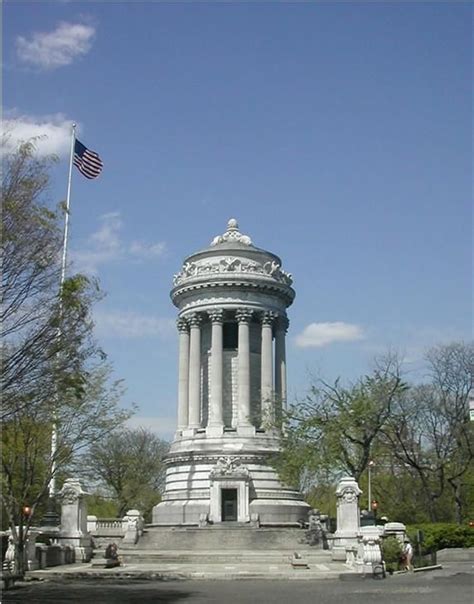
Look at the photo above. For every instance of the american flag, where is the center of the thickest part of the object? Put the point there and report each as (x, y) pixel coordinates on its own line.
(87, 162)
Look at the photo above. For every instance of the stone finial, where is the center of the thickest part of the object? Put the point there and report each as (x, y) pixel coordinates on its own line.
(232, 234)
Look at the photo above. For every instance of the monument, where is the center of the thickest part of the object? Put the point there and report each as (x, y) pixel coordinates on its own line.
(232, 299)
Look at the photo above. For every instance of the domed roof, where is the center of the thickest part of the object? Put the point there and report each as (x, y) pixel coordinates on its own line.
(232, 260)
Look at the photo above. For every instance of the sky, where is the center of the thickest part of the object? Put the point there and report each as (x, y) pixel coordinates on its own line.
(338, 134)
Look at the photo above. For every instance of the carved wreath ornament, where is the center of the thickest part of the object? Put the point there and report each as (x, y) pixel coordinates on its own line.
(228, 466)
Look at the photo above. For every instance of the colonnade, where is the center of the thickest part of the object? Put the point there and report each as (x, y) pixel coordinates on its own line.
(273, 367)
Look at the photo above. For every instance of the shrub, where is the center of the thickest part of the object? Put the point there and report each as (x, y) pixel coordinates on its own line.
(391, 552)
(441, 535)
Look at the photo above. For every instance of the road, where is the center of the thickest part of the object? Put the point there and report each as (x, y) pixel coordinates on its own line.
(409, 589)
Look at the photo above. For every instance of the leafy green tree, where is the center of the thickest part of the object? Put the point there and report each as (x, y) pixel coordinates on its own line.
(336, 429)
(128, 464)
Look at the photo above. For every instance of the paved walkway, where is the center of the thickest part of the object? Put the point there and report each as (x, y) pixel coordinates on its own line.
(438, 587)
(225, 571)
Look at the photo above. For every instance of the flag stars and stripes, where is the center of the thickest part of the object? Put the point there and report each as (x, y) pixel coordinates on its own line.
(86, 161)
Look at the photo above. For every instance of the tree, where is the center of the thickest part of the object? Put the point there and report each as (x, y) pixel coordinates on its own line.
(34, 312)
(53, 371)
(336, 429)
(128, 464)
(430, 432)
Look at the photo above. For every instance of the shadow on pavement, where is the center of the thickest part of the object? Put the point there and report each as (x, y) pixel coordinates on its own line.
(97, 593)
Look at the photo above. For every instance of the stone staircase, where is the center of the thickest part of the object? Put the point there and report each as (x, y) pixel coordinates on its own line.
(228, 551)
(231, 536)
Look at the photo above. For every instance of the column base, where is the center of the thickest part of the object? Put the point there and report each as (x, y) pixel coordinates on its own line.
(188, 432)
(246, 430)
(214, 430)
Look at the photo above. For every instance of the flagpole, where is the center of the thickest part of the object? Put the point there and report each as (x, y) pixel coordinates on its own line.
(54, 433)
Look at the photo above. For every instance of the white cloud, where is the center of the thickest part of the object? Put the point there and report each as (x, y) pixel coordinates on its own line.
(316, 335)
(49, 50)
(129, 324)
(53, 133)
(164, 427)
(107, 245)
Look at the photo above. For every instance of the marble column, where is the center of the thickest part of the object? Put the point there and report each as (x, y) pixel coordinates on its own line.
(244, 316)
(267, 393)
(216, 415)
(280, 365)
(183, 373)
(195, 320)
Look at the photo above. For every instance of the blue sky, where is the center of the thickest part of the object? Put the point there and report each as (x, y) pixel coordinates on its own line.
(338, 134)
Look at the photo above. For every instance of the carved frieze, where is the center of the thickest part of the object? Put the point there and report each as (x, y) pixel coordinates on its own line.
(232, 264)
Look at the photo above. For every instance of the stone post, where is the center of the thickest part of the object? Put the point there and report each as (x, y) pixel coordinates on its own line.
(31, 560)
(183, 374)
(348, 517)
(132, 525)
(267, 393)
(215, 426)
(91, 523)
(74, 520)
(280, 366)
(244, 426)
(195, 371)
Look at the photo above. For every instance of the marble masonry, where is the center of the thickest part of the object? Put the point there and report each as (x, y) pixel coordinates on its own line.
(232, 299)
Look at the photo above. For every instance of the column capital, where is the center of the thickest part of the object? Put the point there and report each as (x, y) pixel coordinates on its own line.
(283, 323)
(194, 319)
(244, 315)
(268, 317)
(216, 315)
(182, 325)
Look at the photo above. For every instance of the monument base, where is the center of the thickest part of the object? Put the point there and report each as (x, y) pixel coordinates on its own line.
(227, 478)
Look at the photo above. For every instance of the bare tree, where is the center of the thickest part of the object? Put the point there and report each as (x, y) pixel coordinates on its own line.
(430, 431)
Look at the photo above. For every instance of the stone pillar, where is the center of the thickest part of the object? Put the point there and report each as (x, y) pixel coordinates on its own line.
(348, 517)
(31, 561)
(74, 520)
(244, 426)
(195, 371)
(183, 376)
(280, 366)
(267, 393)
(215, 425)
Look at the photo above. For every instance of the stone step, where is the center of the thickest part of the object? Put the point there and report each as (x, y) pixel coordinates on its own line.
(221, 537)
(218, 558)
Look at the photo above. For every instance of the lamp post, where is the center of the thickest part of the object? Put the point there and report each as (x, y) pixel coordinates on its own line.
(369, 494)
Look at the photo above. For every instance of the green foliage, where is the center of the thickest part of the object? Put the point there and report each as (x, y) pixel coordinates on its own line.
(418, 435)
(442, 535)
(53, 372)
(101, 507)
(391, 550)
(128, 464)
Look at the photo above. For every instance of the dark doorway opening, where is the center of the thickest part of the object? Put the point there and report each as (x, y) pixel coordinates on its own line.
(229, 505)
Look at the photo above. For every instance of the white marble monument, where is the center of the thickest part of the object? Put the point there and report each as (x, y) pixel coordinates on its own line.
(232, 299)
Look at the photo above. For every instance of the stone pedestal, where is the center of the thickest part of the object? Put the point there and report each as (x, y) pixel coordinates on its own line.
(32, 562)
(395, 529)
(368, 549)
(348, 517)
(132, 524)
(74, 520)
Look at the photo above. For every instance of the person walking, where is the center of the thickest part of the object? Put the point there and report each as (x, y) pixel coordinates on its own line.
(407, 555)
